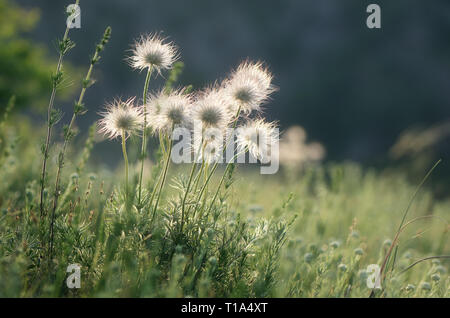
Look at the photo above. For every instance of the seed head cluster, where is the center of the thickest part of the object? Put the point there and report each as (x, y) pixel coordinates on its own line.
(216, 108)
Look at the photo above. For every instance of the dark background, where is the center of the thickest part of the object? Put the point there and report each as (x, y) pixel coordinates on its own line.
(354, 89)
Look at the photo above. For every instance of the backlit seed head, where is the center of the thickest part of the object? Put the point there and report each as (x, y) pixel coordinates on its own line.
(121, 117)
(258, 138)
(210, 109)
(209, 145)
(153, 51)
(166, 111)
(425, 286)
(249, 86)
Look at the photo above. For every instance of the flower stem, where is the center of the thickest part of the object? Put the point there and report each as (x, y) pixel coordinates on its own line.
(186, 194)
(125, 157)
(202, 190)
(166, 168)
(229, 164)
(144, 134)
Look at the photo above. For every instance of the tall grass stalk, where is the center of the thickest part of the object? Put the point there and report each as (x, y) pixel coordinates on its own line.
(79, 109)
(382, 274)
(65, 45)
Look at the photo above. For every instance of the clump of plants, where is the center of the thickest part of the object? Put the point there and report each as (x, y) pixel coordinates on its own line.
(134, 238)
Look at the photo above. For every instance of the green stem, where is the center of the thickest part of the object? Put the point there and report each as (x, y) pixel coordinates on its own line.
(68, 136)
(194, 165)
(221, 181)
(152, 197)
(166, 168)
(397, 234)
(144, 133)
(49, 123)
(217, 163)
(125, 157)
(186, 194)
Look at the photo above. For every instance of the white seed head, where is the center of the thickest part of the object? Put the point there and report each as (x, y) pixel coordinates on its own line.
(258, 137)
(153, 51)
(249, 86)
(211, 109)
(209, 145)
(166, 111)
(121, 118)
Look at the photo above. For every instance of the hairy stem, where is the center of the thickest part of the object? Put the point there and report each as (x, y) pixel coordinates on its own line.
(125, 158)
(230, 163)
(144, 133)
(164, 175)
(217, 163)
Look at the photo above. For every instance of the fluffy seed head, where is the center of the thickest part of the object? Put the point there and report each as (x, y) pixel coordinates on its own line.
(121, 118)
(211, 109)
(165, 111)
(258, 137)
(249, 86)
(209, 145)
(153, 51)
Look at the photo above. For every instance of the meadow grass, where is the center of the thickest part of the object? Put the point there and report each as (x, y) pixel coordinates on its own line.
(346, 218)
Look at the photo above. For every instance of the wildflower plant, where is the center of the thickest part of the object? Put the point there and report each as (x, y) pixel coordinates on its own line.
(121, 119)
(151, 52)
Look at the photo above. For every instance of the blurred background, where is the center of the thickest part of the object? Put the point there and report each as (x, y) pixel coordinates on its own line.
(380, 97)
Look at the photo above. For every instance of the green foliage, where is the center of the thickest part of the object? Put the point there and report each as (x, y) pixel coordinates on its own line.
(24, 66)
(249, 245)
